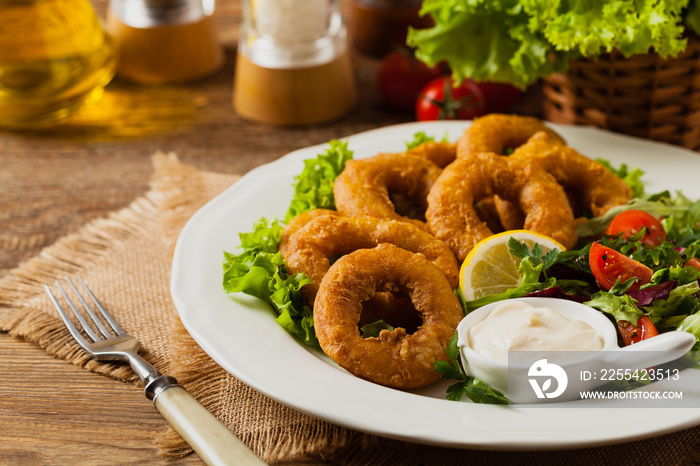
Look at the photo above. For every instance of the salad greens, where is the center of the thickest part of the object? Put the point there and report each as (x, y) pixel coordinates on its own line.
(313, 187)
(671, 301)
(680, 211)
(520, 41)
(673, 287)
(260, 270)
(418, 139)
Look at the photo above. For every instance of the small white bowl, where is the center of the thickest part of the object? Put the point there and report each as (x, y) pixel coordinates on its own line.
(665, 347)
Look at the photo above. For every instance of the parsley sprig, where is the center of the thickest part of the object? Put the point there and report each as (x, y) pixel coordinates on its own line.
(472, 388)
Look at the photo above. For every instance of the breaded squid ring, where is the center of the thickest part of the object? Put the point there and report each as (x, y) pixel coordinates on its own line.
(451, 215)
(587, 182)
(496, 132)
(297, 223)
(395, 358)
(363, 188)
(311, 249)
(441, 153)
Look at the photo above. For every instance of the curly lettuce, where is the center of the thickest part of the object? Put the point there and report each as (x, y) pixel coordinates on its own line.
(313, 187)
(521, 41)
(260, 270)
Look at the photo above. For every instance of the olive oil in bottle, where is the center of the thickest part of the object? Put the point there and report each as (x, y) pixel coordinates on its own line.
(54, 57)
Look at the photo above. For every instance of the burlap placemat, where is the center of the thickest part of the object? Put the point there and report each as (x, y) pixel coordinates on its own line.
(125, 258)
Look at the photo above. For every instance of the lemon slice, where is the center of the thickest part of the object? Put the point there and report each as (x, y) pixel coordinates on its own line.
(491, 268)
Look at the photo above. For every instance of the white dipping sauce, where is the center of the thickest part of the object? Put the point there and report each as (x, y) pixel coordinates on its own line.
(518, 326)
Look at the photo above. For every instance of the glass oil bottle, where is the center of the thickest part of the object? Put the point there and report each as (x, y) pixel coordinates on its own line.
(55, 56)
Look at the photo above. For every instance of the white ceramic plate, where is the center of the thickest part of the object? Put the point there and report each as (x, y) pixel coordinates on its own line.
(240, 333)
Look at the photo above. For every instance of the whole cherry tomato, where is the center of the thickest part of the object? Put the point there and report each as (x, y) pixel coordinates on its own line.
(401, 76)
(609, 265)
(630, 222)
(442, 99)
(631, 334)
(499, 97)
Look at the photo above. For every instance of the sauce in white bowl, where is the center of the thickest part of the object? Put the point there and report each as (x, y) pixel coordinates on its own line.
(523, 332)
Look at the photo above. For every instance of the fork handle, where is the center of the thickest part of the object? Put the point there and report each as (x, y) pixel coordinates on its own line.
(214, 443)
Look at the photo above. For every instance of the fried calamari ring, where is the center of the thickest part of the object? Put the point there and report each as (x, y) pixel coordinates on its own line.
(586, 181)
(441, 153)
(451, 215)
(365, 187)
(297, 223)
(496, 132)
(311, 249)
(395, 358)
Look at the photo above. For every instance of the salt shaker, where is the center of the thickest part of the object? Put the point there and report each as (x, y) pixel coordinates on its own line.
(293, 65)
(165, 41)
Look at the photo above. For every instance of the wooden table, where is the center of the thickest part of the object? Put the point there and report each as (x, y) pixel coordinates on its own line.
(55, 181)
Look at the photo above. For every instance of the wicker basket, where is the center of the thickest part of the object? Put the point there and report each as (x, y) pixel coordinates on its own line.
(644, 95)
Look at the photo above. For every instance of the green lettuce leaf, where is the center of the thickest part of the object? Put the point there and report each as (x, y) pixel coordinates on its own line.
(621, 307)
(418, 139)
(259, 271)
(692, 16)
(681, 300)
(682, 224)
(485, 41)
(633, 177)
(313, 187)
(520, 41)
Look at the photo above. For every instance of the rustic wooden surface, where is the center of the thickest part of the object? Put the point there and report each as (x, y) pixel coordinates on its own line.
(53, 182)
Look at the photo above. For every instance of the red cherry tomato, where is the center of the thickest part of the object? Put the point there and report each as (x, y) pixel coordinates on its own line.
(609, 265)
(630, 222)
(694, 262)
(631, 334)
(401, 76)
(499, 97)
(441, 99)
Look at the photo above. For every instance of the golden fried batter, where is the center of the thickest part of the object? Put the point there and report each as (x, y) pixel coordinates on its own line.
(440, 153)
(587, 183)
(496, 132)
(297, 223)
(312, 248)
(395, 358)
(365, 186)
(451, 215)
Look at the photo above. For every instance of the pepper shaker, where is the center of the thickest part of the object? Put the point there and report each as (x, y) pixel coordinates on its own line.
(165, 41)
(292, 64)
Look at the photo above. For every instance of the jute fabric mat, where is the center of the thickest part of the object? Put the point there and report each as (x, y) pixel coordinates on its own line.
(125, 258)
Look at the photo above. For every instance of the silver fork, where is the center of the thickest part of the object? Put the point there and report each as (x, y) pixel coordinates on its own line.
(106, 340)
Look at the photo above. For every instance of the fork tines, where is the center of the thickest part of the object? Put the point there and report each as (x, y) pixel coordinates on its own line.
(98, 324)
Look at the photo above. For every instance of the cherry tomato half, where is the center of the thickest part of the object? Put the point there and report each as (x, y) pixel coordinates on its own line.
(499, 97)
(694, 262)
(401, 76)
(609, 265)
(442, 99)
(630, 222)
(631, 334)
